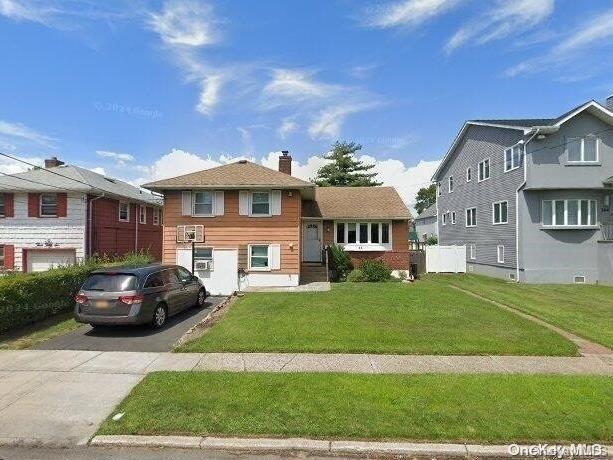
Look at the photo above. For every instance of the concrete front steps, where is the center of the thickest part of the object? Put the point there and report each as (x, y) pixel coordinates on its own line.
(312, 272)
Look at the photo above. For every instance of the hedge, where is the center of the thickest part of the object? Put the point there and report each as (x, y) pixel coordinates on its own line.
(27, 298)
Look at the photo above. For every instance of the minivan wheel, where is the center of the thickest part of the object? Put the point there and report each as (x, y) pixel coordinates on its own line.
(201, 298)
(159, 316)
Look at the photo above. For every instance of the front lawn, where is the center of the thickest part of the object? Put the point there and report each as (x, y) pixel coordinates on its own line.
(422, 318)
(585, 310)
(459, 408)
(33, 334)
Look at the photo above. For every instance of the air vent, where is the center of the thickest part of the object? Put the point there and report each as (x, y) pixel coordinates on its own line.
(512, 276)
(471, 268)
(579, 279)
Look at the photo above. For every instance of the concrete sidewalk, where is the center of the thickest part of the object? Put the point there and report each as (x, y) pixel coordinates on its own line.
(142, 363)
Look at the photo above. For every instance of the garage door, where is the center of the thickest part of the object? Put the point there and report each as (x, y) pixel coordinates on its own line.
(42, 260)
(222, 278)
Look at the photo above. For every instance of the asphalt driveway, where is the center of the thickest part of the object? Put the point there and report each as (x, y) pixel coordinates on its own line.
(131, 338)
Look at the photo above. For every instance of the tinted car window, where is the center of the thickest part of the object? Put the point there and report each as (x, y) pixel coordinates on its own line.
(154, 280)
(184, 275)
(114, 282)
(170, 277)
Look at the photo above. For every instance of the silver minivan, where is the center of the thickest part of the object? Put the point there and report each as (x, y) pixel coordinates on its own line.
(145, 295)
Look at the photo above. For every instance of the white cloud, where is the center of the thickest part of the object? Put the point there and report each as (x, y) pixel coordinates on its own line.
(407, 13)
(328, 122)
(406, 179)
(501, 20)
(576, 51)
(185, 23)
(10, 166)
(26, 10)
(209, 93)
(288, 126)
(22, 132)
(121, 158)
(296, 85)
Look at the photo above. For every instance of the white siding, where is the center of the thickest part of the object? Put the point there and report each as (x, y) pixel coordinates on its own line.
(28, 232)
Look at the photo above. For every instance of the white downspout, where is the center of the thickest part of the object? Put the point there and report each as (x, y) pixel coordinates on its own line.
(517, 204)
(137, 219)
(91, 222)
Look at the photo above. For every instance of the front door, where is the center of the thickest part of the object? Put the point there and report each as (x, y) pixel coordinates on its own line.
(311, 238)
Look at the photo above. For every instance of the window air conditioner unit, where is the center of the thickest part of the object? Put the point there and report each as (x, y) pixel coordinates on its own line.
(204, 265)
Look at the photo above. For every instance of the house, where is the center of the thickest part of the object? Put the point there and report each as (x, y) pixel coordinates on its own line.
(60, 214)
(424, 225)
(243, 225)
(531, 198)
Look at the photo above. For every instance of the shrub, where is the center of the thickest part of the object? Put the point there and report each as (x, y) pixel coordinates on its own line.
(29, 297)
(375, 270)
(432, 240)
(356, 276)
(340, 261)
(136, 259)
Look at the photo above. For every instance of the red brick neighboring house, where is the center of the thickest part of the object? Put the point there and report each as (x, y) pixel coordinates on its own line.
(61, 214)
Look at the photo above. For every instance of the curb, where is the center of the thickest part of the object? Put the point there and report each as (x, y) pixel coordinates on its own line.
(316, 446)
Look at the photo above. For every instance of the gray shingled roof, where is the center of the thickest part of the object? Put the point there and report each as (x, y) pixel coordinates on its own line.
(42, 180)
(430, 211)
(519, 122)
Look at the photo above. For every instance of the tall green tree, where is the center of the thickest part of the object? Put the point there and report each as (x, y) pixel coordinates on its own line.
(426, 196)
(344, 170)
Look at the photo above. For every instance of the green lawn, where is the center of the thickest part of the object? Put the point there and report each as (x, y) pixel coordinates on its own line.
(422, 318)
(477, 408)
(586, 310)
(33, 334)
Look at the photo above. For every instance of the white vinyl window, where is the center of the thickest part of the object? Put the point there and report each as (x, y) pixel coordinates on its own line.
(156, 216)
(569, 213)
(473, 251)
(142, 214)
(48, 204)
(471, 217)
(469, 174)
(582, 149)
(124, 212)
(453, 218)
(367, 233)
(450, 184)
(2, 260)
(203, 204)
(258, 257)
(260, 204)
(484, 170)
(513, 157)
(2, 205)
(445, 214)
(500, 250)
(500, 212)
(440, 190)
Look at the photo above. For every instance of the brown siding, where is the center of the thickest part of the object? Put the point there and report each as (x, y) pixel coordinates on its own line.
(235, 231)
(115, 238)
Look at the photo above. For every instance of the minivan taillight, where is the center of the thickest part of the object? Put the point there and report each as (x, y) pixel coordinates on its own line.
(131, 299)
(80, 298)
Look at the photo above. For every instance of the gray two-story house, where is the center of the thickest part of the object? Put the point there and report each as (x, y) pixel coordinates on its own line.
(531, 198)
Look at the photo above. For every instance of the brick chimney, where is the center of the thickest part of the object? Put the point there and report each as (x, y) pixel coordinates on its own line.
(53, 162)
(610, 102)
(285, 162)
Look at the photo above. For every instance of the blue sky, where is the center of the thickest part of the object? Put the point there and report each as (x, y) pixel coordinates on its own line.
(147, 89)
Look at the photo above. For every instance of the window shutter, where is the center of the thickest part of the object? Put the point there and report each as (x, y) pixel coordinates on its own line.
(276, 202)
(219, 203)
(243, 203)
(33, 204)
(9, 205)
(274, 254)
(186, 203)
(180, 233)
(200, 233)
(62, 205)
(9, 256)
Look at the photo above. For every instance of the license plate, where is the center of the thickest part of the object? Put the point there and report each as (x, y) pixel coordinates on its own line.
(103, 304)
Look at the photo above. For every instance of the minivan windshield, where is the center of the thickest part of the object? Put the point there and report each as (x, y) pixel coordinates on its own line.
(113, 282)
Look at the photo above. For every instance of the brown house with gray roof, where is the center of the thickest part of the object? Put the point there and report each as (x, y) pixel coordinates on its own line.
(243, 225)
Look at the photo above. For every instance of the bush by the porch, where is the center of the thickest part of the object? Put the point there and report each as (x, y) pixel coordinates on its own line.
(375, 270)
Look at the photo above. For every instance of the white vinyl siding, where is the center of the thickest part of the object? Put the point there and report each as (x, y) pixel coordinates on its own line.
(569, 213)
(582, 149)
(471, 217)
(500, 212)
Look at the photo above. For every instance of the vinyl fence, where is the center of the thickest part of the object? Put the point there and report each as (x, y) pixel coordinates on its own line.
(446, 259)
